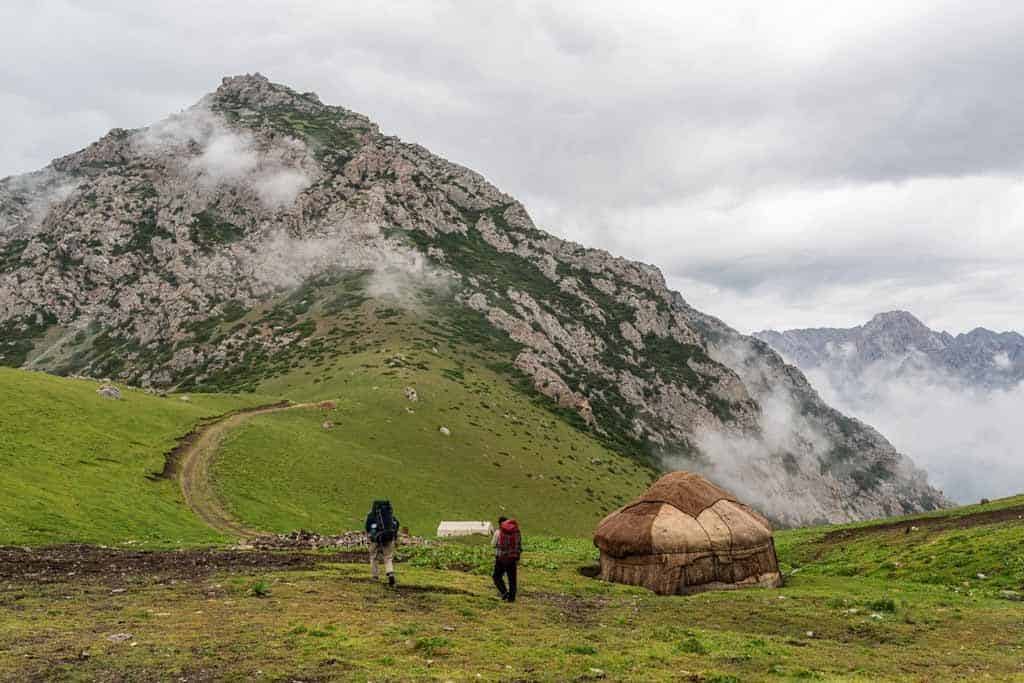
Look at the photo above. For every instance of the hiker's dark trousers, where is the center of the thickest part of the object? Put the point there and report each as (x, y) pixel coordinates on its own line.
(503, 568)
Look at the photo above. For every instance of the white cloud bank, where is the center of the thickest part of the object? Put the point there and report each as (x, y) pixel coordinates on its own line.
(970, 440)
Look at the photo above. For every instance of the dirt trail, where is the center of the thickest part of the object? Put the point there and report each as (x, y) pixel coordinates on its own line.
(192, 461)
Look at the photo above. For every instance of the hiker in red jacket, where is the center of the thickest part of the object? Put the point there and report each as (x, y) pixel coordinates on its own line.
(508, 546)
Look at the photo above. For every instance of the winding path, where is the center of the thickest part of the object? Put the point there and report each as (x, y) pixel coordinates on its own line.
(195, 458)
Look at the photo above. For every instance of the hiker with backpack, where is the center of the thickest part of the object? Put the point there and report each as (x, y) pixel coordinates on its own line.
(382, 530)
(508, 547)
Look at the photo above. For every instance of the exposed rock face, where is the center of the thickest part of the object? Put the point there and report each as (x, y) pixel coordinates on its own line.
(981, 357)
(146, 255)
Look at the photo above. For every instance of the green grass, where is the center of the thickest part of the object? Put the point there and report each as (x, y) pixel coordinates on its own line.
(505, 455)
(885, 605)
(985, 558)
(74, 465)
(332, 623)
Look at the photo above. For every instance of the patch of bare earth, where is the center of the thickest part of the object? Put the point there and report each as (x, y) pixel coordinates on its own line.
(974, 519)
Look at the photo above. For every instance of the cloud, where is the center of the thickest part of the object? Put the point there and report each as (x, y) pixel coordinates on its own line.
(226, 157)
(396, 273)
(26, 199)
(229, 156)
(775, 159)
(280, 187)
(969, 439)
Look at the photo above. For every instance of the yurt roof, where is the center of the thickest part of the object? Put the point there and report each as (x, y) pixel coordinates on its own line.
(685, 491)
(682, 513)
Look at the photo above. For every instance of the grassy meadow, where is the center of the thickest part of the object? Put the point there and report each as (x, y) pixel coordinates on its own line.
(444, 623)
(76, 467)
(934, 597)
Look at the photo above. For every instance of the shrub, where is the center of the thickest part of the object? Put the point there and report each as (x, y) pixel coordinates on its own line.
(259, 589)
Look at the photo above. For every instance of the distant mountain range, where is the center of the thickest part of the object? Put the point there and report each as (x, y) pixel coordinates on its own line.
(953, 403)
(980, 358)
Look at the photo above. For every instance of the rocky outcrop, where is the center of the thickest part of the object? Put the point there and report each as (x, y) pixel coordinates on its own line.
(160, 256)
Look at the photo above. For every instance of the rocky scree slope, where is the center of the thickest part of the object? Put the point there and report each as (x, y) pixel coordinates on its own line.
(213, 249)
(980, 358)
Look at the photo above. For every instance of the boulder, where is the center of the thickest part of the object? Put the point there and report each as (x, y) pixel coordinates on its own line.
(109, 391)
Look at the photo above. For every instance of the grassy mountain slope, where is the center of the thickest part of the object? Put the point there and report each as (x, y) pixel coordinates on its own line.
(506, 454)
(976, 547)
(74, 465)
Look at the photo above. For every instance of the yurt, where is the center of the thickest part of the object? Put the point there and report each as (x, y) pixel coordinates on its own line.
(686, 535)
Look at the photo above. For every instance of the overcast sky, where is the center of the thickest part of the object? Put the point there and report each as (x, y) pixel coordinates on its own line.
(785, 164)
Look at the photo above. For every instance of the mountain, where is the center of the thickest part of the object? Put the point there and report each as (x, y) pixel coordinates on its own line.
(261, 232)
(980, 358)
(950, 402)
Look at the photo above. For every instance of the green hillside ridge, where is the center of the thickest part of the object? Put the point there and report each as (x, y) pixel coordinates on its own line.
(506, 454)
(975, 547)
(76, 467)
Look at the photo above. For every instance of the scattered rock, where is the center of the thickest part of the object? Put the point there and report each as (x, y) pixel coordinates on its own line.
(184, 398)
(985, 501)
(120, 637)
(303, 539)
(410, 393)
(1015, 596)
(981, 576)
(327, 425)
(109, 391)
(445, 431)
(327, 405)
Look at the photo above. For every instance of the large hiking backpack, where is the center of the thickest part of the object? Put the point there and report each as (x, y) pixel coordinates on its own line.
(509, 545)
(383, 525)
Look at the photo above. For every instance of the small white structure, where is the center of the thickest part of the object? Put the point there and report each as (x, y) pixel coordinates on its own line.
(449, 529)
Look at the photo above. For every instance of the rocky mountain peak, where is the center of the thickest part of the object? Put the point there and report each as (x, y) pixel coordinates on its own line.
(257, 91)
(895, 320)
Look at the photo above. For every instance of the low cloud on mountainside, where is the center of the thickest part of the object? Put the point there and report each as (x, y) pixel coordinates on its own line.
(229, 156)
(969, 439)
(396, 273)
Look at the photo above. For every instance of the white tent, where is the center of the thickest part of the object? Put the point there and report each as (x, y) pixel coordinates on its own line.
(447, 529)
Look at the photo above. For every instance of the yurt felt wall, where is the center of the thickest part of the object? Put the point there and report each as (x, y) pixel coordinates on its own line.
(686, 535)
